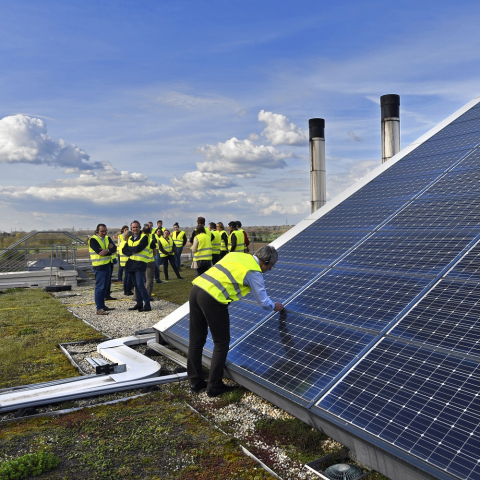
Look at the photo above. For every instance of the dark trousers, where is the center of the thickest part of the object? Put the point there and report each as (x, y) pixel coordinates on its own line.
(178, 256)
(203, 266)
(101, 283)
(120, 271)
(127, 282)
(158, 262)
(143, 299)
(205, 313)
(166, 260)
(223, 253)
(215, 258)
(109, 281)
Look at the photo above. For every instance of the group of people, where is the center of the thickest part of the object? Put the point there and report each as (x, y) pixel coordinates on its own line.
(226, 272)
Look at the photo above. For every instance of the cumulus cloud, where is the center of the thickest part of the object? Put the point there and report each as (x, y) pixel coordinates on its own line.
(194, 180)
(24, 139)
(279, 131)
(240, 157)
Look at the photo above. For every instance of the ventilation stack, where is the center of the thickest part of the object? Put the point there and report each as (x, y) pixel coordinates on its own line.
(318, 181)
(390, 106)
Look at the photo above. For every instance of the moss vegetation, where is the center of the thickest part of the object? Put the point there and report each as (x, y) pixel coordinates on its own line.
(32, 325)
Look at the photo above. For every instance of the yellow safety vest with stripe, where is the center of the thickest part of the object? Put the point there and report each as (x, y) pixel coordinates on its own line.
(224, 281)
(223, 247)
(121, 243)
(240, 247)
(178, 238)
(216, 242)
(97, 259)
(142, 256)
(204, 249)
(167, 246)
(151, 258)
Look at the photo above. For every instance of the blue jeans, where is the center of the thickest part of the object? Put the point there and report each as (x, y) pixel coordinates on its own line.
(178, 256)
(127, 283)
(158, 262)
(102, 278)
(143, 298)
(120, 271)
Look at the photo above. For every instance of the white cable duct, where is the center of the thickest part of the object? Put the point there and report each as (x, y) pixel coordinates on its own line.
(140, 372)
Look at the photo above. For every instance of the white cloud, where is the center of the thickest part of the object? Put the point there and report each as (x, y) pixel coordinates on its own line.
(240, 157)
(24, 139)
(279, 131)
(195, 180)
(357, 170)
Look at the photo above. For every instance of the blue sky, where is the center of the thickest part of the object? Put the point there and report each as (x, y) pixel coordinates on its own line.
(114, 110)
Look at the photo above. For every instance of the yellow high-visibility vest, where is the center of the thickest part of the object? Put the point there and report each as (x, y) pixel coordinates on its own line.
(216, 242)
(142, 256)
(150, 250)
(223, 246)
(224, 281)
(178, 238)
(167, 245)
(96, 259)
(204, 249)
(121, 243)
(240, 241)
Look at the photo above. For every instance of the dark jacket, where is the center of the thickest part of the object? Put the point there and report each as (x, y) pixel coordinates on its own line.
(137, 265)
(97, 248)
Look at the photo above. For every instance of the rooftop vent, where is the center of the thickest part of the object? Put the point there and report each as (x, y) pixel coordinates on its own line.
(343, 471)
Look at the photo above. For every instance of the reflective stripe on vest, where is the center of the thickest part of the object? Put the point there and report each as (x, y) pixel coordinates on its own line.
(97, 259)
(178, 238)
(240, 241)
(142, 256)
(223, 247)
(167, 246)
(216, 242)
(224, 281)
(204, 248)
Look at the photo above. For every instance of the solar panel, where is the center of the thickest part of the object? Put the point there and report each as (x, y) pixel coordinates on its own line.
(381, 342)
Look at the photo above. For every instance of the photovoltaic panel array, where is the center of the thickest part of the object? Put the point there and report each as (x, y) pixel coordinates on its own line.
(382, 291)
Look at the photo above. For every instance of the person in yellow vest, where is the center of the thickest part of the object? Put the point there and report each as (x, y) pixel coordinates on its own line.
(127, 279)
(216, 242)
(166, 247)
(229, 280)
(224, 239)
(180, 239)
(152, 252)
(158, 261)
(236, 239)
(246, 239)
(137, 251)
(202, 250)
(101, 249)
(121, 267)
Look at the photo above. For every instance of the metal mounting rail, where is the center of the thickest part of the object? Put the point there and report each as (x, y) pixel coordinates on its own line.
(140, 372)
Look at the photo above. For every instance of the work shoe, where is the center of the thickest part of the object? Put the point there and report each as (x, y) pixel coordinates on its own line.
(110, 298)
(197, 388)
(102, 312)
(180, 277)
(215, 392)
(107, 309)
(145, 309)
(158, 281)
(128, 293)
(136, 307)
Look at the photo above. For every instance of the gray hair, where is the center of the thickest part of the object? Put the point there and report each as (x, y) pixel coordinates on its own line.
(267, 254)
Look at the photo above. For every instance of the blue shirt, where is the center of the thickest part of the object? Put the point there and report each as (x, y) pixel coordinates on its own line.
(255, 281)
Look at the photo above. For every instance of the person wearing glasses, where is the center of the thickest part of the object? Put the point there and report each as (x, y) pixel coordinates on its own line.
(230, 279)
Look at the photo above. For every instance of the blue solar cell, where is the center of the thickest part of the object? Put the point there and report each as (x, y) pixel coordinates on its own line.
(458, 214)
(464, 183)
(444, 145)
(411, 166)
(359, 299)
(181, 328)
(297, 354)
(459, 128)
(412, 252)
(286, 279)
(319, 249)
(470, 161)
(447, 317)
(393, 189)
(423, 402)
(468, 115)
(469, 267)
